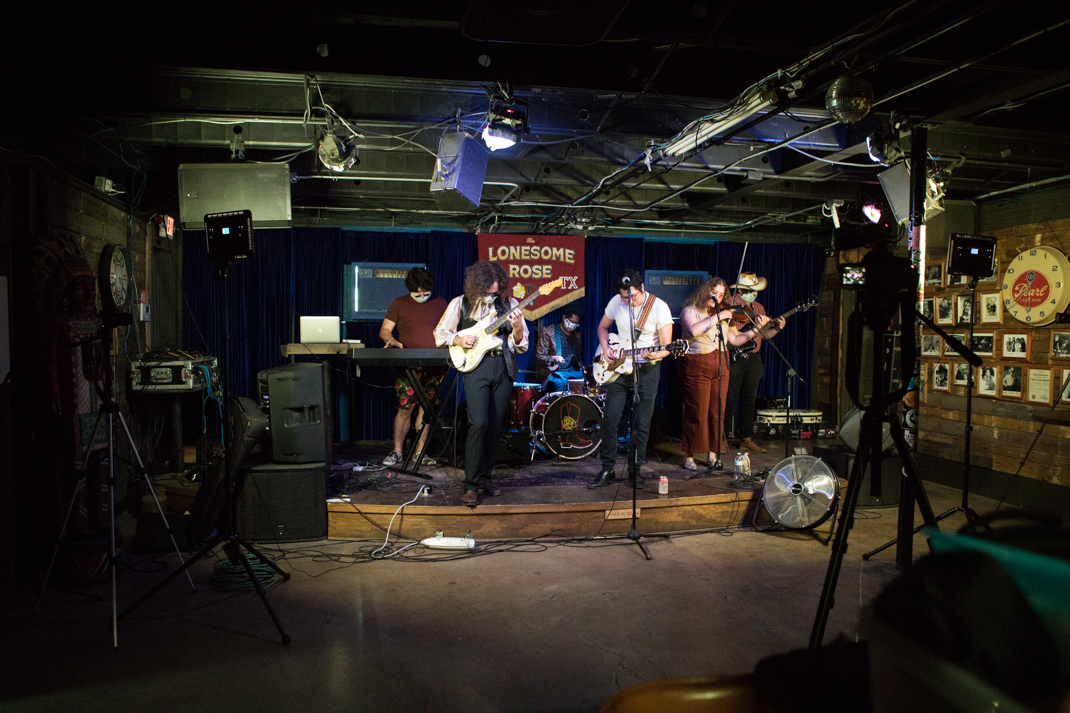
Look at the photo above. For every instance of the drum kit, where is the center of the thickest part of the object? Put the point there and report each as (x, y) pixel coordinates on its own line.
(567, 424)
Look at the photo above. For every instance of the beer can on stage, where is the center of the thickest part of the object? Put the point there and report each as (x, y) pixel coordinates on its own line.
(663, 485)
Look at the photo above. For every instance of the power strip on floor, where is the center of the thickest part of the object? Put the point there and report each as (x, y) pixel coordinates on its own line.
(449, 543)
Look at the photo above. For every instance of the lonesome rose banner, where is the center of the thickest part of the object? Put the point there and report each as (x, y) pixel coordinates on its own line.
(533, 260)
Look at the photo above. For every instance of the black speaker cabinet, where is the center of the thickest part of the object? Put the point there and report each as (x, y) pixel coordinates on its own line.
(298, 405)
(841, 460)
(283, 502)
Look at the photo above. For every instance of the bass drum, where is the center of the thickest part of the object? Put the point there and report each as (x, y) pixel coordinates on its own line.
(570, 425)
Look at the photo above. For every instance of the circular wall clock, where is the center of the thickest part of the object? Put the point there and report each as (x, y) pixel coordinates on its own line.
(1036, 285)
(113, 276)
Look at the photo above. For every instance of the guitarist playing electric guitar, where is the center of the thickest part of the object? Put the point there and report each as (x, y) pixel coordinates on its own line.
(488, 382)
(653, 326)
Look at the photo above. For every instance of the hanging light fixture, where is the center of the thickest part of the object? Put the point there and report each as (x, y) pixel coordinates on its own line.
(849, 98)
(507, 118)
(338, 153)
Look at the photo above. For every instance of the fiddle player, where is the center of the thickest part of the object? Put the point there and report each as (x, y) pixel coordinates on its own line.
(488, 385)
(559, 351)
(747, 370)
(707, 323)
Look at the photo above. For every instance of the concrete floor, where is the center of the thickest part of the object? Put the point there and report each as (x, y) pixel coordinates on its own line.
(521, 626)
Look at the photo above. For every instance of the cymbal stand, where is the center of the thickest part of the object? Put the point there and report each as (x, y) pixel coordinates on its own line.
(109, 321)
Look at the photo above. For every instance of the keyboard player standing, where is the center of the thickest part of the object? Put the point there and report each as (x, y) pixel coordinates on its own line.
(414, 316)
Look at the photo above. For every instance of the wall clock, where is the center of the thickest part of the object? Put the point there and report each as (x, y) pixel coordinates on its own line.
(113, 275)
(1036, 285)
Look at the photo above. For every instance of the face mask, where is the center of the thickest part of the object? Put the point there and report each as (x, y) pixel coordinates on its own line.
(489, 299)
(749, 296)
(570, 325)
(421, 298)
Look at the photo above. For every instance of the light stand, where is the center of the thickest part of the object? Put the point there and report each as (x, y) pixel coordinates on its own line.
(225, 251)
(972, 519)
(110, 319)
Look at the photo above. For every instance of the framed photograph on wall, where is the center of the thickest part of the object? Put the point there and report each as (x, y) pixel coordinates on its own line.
(1060, 345)
(982, 343)
(986, 381)
(953, 280)
(941, 377)
(1039, 387)
(994, 277)
(1062, 386)
(962, 374)
(1011, 381)
(945, 310)
(963, 309)
(991, 308)
(927, 308)
(1016, 345)
(934, 275)
(930, 345)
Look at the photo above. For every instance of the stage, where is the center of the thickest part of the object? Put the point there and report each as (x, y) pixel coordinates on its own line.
(547, 497)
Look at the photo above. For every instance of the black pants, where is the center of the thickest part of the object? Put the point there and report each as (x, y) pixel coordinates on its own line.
(744, 374)
(486, 389)
(647, 376)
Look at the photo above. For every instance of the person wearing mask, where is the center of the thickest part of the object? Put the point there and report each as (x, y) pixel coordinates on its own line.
(559, 351)
(413, 317)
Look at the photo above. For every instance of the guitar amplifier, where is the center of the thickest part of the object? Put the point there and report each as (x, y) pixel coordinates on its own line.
(174, 375)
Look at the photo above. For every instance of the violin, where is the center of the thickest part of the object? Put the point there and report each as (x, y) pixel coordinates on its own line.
(741, 314)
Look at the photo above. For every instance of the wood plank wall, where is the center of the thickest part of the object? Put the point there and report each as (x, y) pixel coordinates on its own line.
(1003, 424)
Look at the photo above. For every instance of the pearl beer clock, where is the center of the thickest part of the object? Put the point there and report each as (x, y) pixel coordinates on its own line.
(1036, 285)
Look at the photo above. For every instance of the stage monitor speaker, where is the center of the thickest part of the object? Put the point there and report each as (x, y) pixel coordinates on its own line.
(296, 397)
(459, 170)
(262, 188)
(283, 503)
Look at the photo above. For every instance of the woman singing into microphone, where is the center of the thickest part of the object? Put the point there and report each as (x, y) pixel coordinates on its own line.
(707, 324)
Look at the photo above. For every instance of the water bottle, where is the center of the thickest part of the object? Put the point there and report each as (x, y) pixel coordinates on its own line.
(739, 462)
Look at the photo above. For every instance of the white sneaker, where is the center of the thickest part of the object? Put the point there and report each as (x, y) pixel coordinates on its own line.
(428, 461)
(393, 459)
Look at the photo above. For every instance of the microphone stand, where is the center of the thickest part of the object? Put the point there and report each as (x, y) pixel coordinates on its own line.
(792, 376)
(633, 452)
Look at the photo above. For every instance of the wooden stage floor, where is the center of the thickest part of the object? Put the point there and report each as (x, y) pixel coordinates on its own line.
(548, 497)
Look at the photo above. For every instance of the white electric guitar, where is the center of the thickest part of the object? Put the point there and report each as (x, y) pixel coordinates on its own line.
(485, 331)
(606, 372)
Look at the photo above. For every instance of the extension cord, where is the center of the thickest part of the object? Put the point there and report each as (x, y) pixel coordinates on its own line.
(449, 543)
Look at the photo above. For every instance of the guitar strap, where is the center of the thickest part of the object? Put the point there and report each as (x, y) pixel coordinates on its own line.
(647, 306)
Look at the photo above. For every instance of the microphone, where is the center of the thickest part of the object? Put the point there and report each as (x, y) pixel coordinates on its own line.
(625, 280)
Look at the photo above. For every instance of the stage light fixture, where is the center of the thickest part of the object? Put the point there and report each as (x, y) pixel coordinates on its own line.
(507, 118)
(871, 211)
(849, 98)
(338, 153)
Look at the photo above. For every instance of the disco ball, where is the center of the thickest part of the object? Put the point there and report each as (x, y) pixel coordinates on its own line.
(849, 99)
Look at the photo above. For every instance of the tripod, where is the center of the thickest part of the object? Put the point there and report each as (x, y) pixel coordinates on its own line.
(972, 519)
(870, 440)
(110, 319)
(229, 538)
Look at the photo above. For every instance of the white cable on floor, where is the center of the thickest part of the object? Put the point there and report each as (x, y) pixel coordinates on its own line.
(396, 513)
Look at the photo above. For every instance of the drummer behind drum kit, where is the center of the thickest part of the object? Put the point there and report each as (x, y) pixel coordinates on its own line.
(565, 423)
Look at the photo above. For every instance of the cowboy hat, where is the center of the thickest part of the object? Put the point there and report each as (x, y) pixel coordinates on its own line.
(750, 281)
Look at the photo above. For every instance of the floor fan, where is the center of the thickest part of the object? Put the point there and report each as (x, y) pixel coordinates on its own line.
(800, 493)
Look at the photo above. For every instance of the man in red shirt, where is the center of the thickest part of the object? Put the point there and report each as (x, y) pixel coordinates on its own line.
(414, 316)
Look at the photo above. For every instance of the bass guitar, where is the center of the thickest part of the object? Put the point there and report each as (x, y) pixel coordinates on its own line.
(606, 372)
(486, 330)
(750, 345)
